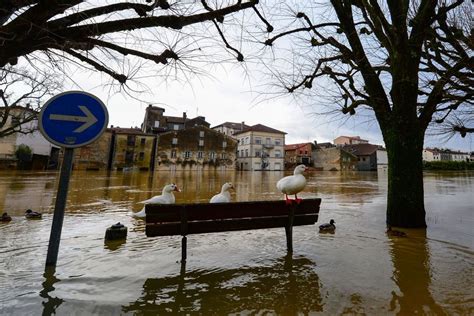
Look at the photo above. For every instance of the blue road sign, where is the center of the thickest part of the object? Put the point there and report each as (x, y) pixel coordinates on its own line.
(73, 119)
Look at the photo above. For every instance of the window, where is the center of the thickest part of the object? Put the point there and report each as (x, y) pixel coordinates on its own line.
(174, 141)
(247, 140)
(131, 140)
(173, 154)
(224, 144)
(141, 156)
(277, 153)
(142, 141)
(246, 152)
(258, 140)
(176, 127)
(268, 141)
(201, 142)
(212, 155)
(305, 152)
(223, 156)
(157, 124)
(242, 153)
(257, 154)
(277, 141)
(201, 134)
(363, 159)
(200, 154)
(187, 154)
(301, 152)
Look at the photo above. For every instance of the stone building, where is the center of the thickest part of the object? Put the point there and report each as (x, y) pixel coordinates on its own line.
(296, 154)
(260, 148)
(155, 122)
(366, 154)
(230, 128)
(131, 148)
(195, 148)
(334, 159)
(349, 140)
(94, 156)
(117, 149)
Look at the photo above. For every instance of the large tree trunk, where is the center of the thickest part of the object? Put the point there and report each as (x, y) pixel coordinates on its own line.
(405, 200)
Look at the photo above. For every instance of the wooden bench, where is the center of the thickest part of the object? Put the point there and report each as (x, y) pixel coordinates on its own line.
(186, 219)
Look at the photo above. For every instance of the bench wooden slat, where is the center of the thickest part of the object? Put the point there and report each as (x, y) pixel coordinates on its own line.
(199, 227)
(163, 213)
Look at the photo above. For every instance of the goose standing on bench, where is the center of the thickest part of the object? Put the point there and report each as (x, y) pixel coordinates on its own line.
(293, 184)
(224, 196)
(166, 197)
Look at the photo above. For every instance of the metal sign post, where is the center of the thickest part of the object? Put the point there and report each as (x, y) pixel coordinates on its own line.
(71, 119)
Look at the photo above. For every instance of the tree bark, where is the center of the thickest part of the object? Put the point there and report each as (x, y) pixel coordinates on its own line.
(405, 200)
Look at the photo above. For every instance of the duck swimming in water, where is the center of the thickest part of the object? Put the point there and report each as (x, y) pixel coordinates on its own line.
(32, 214)
(328, 227)
(5, 217)
(395, 233)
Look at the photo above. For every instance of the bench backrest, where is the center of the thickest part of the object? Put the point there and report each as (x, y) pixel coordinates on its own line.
(184, 219)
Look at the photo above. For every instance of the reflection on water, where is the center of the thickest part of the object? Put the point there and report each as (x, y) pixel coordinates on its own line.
(290, 286)
(413, 295)
(356, 270)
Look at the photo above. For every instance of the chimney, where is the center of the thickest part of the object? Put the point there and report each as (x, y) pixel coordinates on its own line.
(184, 116)
(242, 125)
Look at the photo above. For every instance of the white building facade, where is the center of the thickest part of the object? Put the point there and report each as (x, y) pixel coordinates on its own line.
(260, 148)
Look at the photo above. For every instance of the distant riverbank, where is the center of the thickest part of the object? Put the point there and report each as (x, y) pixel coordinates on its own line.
(448, 165)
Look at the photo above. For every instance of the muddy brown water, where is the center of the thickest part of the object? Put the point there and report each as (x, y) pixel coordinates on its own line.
(357, 270)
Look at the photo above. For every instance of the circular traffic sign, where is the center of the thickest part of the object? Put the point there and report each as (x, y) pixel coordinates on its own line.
(73, 119)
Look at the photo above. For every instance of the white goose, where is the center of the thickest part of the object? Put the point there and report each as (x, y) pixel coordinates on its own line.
(166, 197)
(293, 184)
(224, 196)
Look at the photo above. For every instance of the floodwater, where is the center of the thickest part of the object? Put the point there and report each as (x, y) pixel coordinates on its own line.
(358, 270)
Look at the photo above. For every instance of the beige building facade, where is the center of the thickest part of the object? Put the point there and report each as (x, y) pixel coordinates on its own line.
(260, 148)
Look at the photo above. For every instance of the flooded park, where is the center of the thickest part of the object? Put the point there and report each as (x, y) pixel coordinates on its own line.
(356, 270)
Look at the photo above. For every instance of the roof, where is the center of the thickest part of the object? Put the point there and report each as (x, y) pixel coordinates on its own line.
(361, 149)
(353, 137)
(175, 119)
(260, 128)
(233, 125)
(129, 130)
(296, 146)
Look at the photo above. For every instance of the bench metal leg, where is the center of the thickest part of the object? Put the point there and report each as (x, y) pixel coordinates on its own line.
(184, 248)
(289, 230)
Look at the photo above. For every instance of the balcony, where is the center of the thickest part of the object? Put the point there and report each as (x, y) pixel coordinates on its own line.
(268, 146)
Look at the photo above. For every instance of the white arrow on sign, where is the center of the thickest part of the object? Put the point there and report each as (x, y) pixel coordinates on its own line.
(88, 120)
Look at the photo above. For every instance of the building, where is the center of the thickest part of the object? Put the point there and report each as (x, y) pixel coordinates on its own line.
(431, 155)
(195, 148)
(382, 159)
(131, 149)
(366, 155)
(260, 148)
(230, 128)
(94, 156)
(117, 149)
(296, 154)
(349, 140)
(333, 159)
(155, 122)
(41, 149)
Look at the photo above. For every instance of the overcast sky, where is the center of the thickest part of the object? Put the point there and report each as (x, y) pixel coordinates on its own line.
(229, 96)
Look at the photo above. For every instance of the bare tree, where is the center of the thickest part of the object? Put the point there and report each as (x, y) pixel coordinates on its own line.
(21, 95)
(102, 35)
(409, 63)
